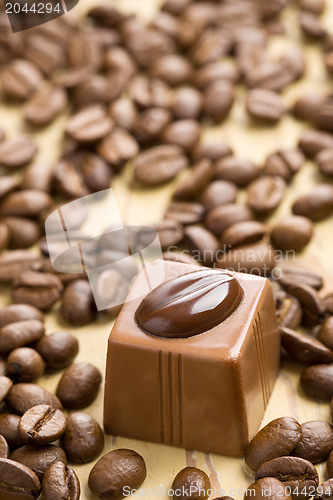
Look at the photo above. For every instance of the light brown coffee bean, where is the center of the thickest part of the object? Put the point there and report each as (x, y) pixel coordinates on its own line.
(25, 364)
(23, 233)
(18, 481)
(185, 212)
(292, 233)
(38, 176)
(124, 113)
(44, 106)
(39, 458)
(304, 348)
(89, 125)
(291, 274)
(276, 439)
(22, 397)
(267, 488)
(118, 147)
(148, 46)
(257, 258)
(4, 236)
(217, 70)
(19, 312)
(313, 141)
(149, 92)
(288, 310)
(325, 334)
(9, 429)
(170, 233)
(221, 217)
(324, 160)
(265, 105)
(242, 233)
(316, 443)
(26, 203)
(175, 7)
(58, 349)
(173, 69)
(60, 481)
(150, 124)
(114, 471)
(218, 99)
(4, 448)
(42, 425)
(17, 152)
(78, 307)
(195, 182)
(317, 381)
(307, 105)
(265, 194)
(78, 450)
(315, 6)
(218, 193)
(293, 60)
(313, 309)
(19, 334)
(5, 386)
(79, 385)
(8, 184)
(187, 104)
(41, 290)
(118, 61)
(311, 25)
(211, 150)
(236, 170)
(202, 244)
(212, 45)
(159, 164)
(16, 261)
(20, 79)
(192, 483)
(182, 133)
(284, 163)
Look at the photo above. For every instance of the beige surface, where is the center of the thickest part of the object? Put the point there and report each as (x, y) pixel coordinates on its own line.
(143, 207)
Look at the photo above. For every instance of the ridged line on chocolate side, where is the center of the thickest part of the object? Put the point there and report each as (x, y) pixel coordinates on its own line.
(257, 333)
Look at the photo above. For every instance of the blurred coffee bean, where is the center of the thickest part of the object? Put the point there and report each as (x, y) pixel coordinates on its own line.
(60, 481)
(89, 125)
(218, 99)
(8, 184)
(218, 193)
(78, 450)
(175, 7)
(79, 385)
(39, 458)
(187, 104)
(24, 364)
(149, 92)
(307, 105)
(292, 233)
(267, 488)
(58, 349)
(315, 6)
(313, 309)
(44, 106)
(185, 212)
(324, 160)
(288, 310)
(316, 443)
(118, 147)
(45, 53)
(42, 425)
(212, 150)
(257, 258)
(78, 307)
(221, 217)
(17, 152)
(173, 69)
(265, 194)
(15, 262)
(20, 334)
(237, 170)
(165, 22)
(41, 290)
(269, 75)
(202, 244)
(9, 429)
(313, 141)
(38, 176)
(26, 203)
(4, 448)
(22, 233)
(24, 396)
(284, 163)
(317, 381)
(311, 25)
(124, 113)
(158, 164)
(293, 60)
(289, 275)
(325, 334)
(170, 232)
(219, 70)
(242, 233)
(4, 235)
(150, 124)
(20, 79)
(182, 133)
(5, 386)
(265, 105)
(212, 45)
(315, 205)
(18, 481)
(98, 90)
(148, 46)
(19, 312)
(304, 348)
(195, 182)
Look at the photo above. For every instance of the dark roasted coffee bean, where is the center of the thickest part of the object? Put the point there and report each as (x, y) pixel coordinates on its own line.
(195, 182)
(89, 125)
(25, 364)
(218, 193)
(330, 460)
(27, 203)
(311, 25)
(257, 258)
(106, 15)
(114, 471)
(20, 79)
(19, 334)
(15, 262)
(99, 89)
(187, 104)
(45, 106)
(149, 92)
(9, 429)
(265, 194)
(58, 349)
(78, 307)
(292, 233)
(317, 204)
(150, 124)
(307, 105)
(182, 133)
(323, 116)
(317, 381)
(288, 310)
(265, 105)
(223, 216)
(217, 70)
(269, 75)
(316, 443)
(18, 481)
(212, 150)
(5, 386)
(328, 302)
(324, 490)
(41, 290)
(242, 233)
(192, 483)
(41, 425)
(289, 275)
(60, 481)
(213, 44)
(17, 152)
(218, 99)
(79, 385)
(4, 236)
(304, 348)
(267, 488)
(118, 147)
(202, 244)
(237, 170)
(159, 164)
(325, 334)
(185, 212)
(313, 141)
(39, 458)
(284, 163)
(118, 61)
(22, 397)
(22, 233)
(295, 473)
(4, 448)
(84, 50)
(148, 46)
(173, 69)
(313, 308)
(276, 439)
(19, 312)
(324, 160)
(124, 113)
(78, 450)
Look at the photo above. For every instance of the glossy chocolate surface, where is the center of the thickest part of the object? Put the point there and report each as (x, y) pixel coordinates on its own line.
(189, 304)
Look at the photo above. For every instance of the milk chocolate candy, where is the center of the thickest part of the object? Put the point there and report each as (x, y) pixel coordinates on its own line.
(193, 362)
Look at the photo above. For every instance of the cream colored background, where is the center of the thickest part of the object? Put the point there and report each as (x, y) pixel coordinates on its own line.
(144, 206)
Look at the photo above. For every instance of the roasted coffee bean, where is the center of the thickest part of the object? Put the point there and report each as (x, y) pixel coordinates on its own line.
(195, 182)
(313, 141)
(330, 463)
(22, 397)
(79, 385)
(106, 15)
(159, 164)
(211, 150)
(58, 349)
(317, 204)
(223, 216)
(304, 348)
(99, 89)
(187, 104)
(269, 75)
(328, 302)
(293, 60)
(4, 236)
(284, 163)
(19, 312)
(202, 244)
(8, 184)
(148, 46)
(78, 307)
(268, 488)
(20, 79)
(60, 481)
(114, 471)
(217, 70)
(150, 124)
(323, 116)
(325, 334)
(289, 275)
(17, 152)
(175, 7)
(4, 448)
(276, 439)
(27, 203)
(170, 232)
(19, 334)
(84, 50)
(15, 262)
(182, 133)
(41, 425)
(288, 310)
(9, 429)
(242, 233)
(192, 483)
(324, 160)
(45, 106)
(124, 113)
(23, 233)
(311, 25)
(118, 147)
(39, 458)
(149, 92)
(307, 105)
(218, 193)
(295, 473)
(89, 125)
(185, 212)
(118, 61)
(218, 99)
(182, 257)
(25, 364)
(317, 381)
(5, 386)
(316, 443)
(315, 6)
(265, 105)
(312, 306)
(265, 194)
(324, 490)
(292, 233)
(18, 481)
(2, 367)
(173, 69)
(237, 170)
(213, 44)
(78, 450)
(41, 290)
